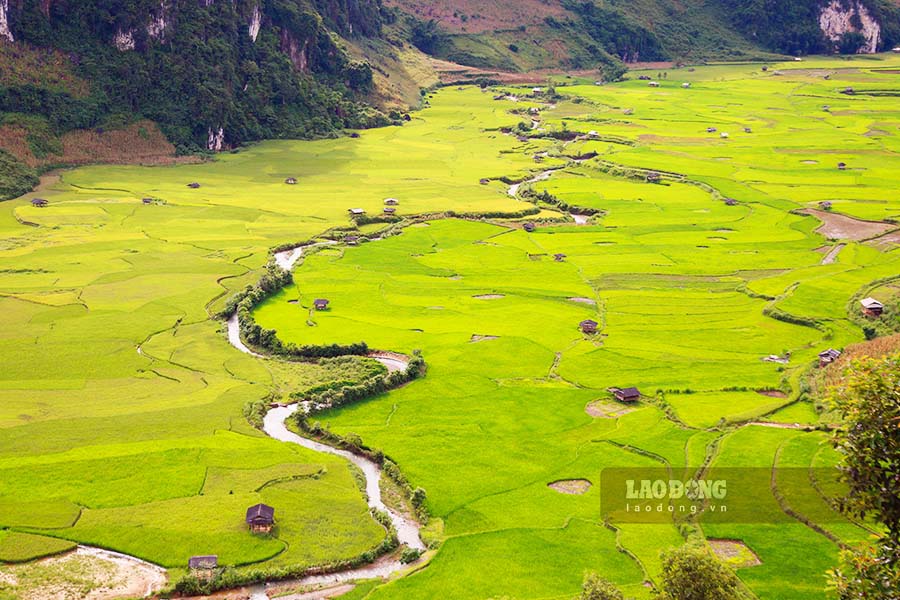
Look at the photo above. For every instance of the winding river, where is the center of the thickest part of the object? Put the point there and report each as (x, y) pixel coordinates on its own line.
(275, 427)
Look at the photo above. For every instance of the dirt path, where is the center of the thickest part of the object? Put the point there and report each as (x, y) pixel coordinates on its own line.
(832, 254)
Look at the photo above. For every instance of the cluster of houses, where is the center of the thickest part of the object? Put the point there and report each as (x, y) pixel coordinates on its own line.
(390, 208)
(260, 518)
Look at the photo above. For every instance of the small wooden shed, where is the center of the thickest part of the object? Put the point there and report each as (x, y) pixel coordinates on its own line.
(291, 181)
(391, 201)
(559, 257)
(826, 357)
(825, 205)
(147, 200)
(711, 130)
(193, 185)
(842, 166)
(389, 210)
(356, 212)
(529, 227)
(588, 326)
(260, 518)
(352, 240)
(653, 177)
(629, 394)
(203, 564)
(39, 202)
(730, 202)
(484, 181)
(871, 307)
(321, 303)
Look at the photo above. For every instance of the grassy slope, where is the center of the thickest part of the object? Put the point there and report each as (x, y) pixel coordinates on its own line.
(129, 440)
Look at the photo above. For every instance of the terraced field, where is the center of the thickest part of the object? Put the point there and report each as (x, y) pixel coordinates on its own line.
(121, 401)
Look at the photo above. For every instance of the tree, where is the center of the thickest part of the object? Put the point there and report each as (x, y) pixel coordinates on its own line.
(868, 400)
(690, 573)
(597, 588)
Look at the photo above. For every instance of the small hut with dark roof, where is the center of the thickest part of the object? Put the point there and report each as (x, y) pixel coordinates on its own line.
(39, 202)
(529, 227)
(629, 394)
(825, 205)
(321, 303)
(559, 257)
(147, 200)
(730, 202)
(842, 166)
(260, 518)
(291, 181)
(352, 240)
(389, 210)
(203, 565)
(193, 185)
(653, 177)
(356, 212)
(391, 201)
(588, 326)
(827, 357)
(484, 181)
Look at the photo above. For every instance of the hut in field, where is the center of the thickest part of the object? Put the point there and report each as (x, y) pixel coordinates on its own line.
(484, 181)
(291, 181)
(826, 357)
(193, 185)
(747, 130)
(711, 130)
(39, 202)
(356, 212)
(537, 91)
(352, 240)
(765, 68)
(825, 205)
(203, 566)
(842, 166)
(147, 200)
(391, 201)
(529, 227)
(588, 326)
(653, 177)
(260, 518)
(559, 257)
(321, 303)
(848, 90)
(686, 85)
(628, 111)
(730, 202)
(872, 307)
(629, 394)
(723, 135)
(593, 134)
(354, 135)
(654, 84)
(389, 210)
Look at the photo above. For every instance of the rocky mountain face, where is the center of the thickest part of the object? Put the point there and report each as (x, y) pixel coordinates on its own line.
(212, 73)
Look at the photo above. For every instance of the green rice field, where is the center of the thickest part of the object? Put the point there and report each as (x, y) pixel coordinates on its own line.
(121, 401)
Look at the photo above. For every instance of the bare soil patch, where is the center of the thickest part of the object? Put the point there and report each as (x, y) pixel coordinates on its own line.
(886, 242)
(832, 254)
(574, 487)
(108, 576)
(772, 393)
(603, 409)
(489, 296)
(735, 552)
(837, 226)
(582, 300)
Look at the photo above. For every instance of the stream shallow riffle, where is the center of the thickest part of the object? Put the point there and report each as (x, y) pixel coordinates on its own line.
(274, 425)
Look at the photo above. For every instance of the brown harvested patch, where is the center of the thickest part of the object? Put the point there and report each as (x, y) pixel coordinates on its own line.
(450, 72)
(772, 393)
(603, 409)
(574, 487)
(87, 573)
(478, 16)
(886, 242)
(582, 300)
(810, 162)
(837, 226)
(489, 296)
(482, 338)
(140, 142)
(735, 552)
